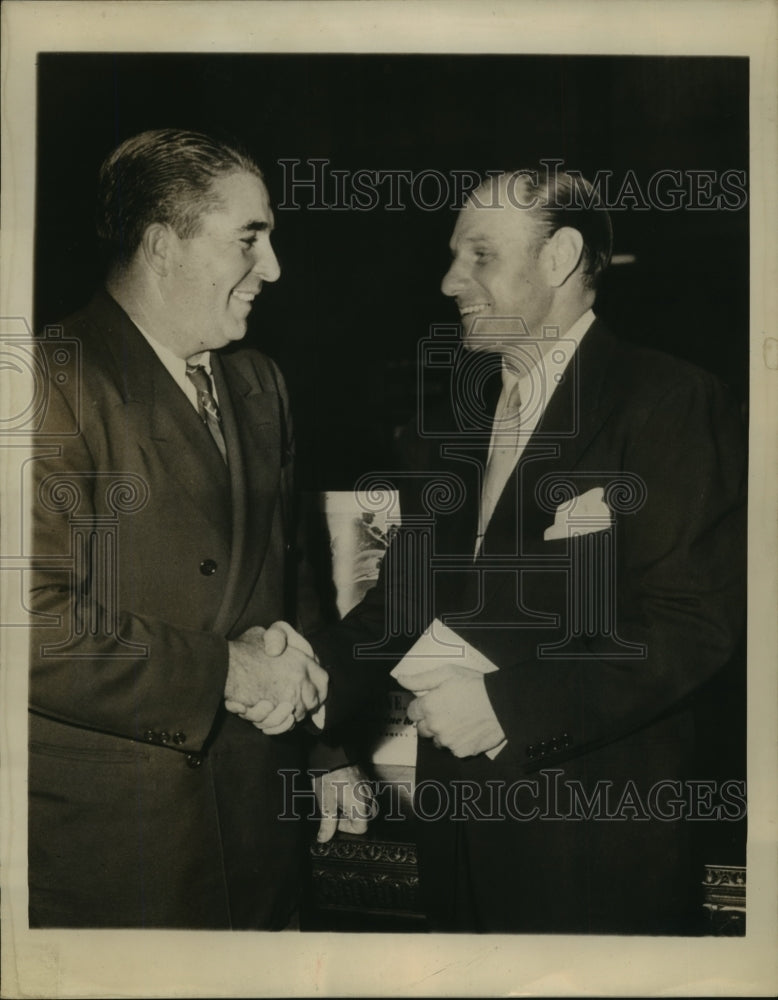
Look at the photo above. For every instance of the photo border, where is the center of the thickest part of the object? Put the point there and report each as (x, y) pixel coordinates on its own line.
(49, 963)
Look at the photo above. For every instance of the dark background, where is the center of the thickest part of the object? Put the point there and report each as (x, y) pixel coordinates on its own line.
(359, 290)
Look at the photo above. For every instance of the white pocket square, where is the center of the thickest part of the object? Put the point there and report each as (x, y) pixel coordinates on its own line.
(580, 515)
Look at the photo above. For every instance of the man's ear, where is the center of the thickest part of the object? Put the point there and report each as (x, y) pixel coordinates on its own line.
(156, 247)
(562, 254)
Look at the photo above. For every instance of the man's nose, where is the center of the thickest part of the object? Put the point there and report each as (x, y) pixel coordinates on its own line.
(452, 281)
(266, 264)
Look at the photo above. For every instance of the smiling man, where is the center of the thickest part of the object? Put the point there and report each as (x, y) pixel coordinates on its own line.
(575, 516)
(163, 531)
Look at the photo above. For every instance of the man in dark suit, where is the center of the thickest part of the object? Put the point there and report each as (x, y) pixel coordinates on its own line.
(164, 536)
(585, 550)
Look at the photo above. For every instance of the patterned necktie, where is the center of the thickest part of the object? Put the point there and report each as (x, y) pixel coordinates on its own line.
(206, 405)
(502, 460)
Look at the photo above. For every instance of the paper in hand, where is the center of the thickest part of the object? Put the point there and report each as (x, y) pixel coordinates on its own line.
(439, 645)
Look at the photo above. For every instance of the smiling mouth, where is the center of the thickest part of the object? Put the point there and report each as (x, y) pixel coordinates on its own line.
(244, 296)
(475, 308)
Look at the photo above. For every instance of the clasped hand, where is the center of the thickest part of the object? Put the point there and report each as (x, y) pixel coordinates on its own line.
(273, 681)
(453, 710)
(274, 678)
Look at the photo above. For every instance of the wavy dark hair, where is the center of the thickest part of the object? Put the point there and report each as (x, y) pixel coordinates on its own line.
(164, 175)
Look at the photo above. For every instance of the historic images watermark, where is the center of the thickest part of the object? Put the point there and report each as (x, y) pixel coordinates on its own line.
(549, 796)
(315, 184)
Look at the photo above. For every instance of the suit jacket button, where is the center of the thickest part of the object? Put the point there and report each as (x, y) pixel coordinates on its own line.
(208, 567)
(194, 760)
(164, 737)
(149, 736)
(530, 751)
(179, 738)
(542, 749)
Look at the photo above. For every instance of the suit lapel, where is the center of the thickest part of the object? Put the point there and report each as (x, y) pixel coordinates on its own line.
(163, 421)
(573, 417)
(575, 413)
(581, 403)
(187, 450)
(465, 455)
(250, 420)
(237, 502)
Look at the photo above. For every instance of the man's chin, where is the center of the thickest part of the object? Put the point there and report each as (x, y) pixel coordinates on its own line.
(483, 333)
(479, 341)
(477, 344)
(235, 333)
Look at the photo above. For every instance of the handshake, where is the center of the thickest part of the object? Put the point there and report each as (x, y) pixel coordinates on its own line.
(274, 679)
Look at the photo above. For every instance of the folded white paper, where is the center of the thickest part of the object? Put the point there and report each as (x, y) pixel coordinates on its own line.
(437, 646)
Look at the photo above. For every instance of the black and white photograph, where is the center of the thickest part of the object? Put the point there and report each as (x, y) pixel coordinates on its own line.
(388, 454)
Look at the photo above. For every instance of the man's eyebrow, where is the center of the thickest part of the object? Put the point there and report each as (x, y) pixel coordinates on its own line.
(470, 240)
(255, 227)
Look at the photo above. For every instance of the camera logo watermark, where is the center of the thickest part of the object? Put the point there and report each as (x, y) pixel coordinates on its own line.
(62, 524)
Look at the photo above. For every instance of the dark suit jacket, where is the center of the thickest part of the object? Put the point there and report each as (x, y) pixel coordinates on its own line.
(149, 804)
(602, 641)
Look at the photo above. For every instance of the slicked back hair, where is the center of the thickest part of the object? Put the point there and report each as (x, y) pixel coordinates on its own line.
(558, 199)
(164, 176)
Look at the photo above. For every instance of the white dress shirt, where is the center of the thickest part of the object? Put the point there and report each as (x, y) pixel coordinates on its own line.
(177, 368)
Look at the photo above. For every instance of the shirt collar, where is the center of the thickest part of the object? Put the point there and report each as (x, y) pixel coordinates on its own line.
(203, 358)
(175, 365)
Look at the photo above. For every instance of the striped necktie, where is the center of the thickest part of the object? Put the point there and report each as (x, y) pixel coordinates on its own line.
(206, 405)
